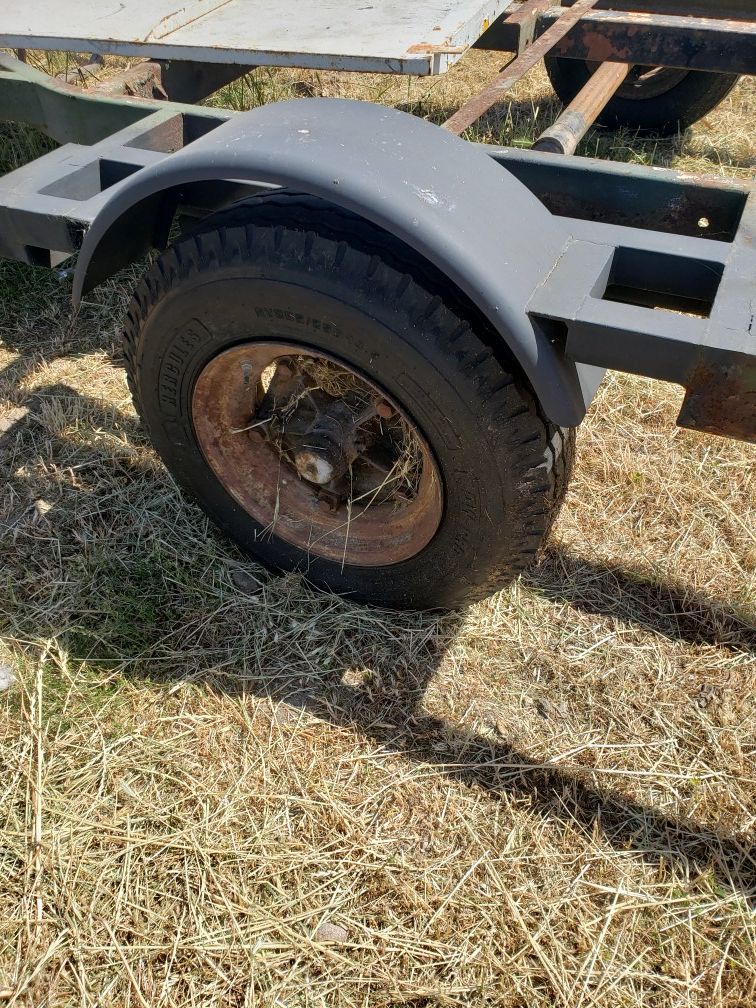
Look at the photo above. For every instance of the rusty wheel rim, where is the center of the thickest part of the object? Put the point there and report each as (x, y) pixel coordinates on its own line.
(644, 83)
(317, 454)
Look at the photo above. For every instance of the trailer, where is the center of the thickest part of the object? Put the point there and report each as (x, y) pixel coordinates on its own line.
(362, 342)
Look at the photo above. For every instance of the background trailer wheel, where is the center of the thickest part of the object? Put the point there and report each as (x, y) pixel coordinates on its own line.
(335, 413)
(660, 100)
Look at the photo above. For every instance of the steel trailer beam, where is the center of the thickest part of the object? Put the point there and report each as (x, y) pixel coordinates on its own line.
(70, 114)
(713, 43)
(610, 252)
(729, 9)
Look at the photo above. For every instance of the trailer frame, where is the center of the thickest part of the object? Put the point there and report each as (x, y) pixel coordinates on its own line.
(641, 245)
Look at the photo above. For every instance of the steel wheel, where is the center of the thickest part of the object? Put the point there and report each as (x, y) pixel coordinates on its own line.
(317, 454)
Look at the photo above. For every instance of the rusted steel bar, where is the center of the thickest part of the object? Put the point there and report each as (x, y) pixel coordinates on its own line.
(523, 20)
(687, 42)
(572, 125)
(474, 109)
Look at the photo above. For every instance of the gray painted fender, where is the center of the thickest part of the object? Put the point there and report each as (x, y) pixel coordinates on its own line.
(438, 194)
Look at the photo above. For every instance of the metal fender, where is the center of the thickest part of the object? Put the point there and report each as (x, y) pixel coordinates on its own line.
(450, 202)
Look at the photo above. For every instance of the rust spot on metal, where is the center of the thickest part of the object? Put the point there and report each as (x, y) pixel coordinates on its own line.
(427, 49)
(722, 400)
(599, 48)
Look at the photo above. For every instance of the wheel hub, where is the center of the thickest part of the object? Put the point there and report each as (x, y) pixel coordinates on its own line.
(317, 453)
(317, 430)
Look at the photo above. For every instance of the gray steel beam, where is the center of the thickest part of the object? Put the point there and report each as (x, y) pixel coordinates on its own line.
(632, 196)
(47, 205)
(619, 304)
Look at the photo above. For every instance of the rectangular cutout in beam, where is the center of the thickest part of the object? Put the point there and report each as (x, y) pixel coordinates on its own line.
(659, 280)
(90, 180)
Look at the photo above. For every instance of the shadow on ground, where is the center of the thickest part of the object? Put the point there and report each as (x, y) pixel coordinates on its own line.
(387, 707)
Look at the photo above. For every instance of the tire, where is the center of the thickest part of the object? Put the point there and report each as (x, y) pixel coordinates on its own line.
(503, 467)
(662, 106)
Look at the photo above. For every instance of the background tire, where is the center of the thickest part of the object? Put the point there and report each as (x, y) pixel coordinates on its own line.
(661, 103)
(504, 467)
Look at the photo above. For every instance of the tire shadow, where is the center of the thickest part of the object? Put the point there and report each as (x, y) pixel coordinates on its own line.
(661, 607)
(397, 722)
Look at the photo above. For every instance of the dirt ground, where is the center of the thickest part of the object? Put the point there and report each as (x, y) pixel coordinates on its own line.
(219, 788)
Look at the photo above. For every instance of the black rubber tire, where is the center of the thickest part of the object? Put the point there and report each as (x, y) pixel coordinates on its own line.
(687, 101)
(504, 467)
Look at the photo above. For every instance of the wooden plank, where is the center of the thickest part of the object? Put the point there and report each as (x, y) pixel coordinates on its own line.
(392, 36)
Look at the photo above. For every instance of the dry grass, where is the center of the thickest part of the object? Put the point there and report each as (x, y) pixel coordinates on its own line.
(723, 142)
(219, 788)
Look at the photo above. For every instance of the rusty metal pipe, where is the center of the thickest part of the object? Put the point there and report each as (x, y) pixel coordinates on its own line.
(514, 71)
(575, 121)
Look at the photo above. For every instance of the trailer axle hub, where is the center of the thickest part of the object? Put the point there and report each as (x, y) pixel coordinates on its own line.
(317, 453)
